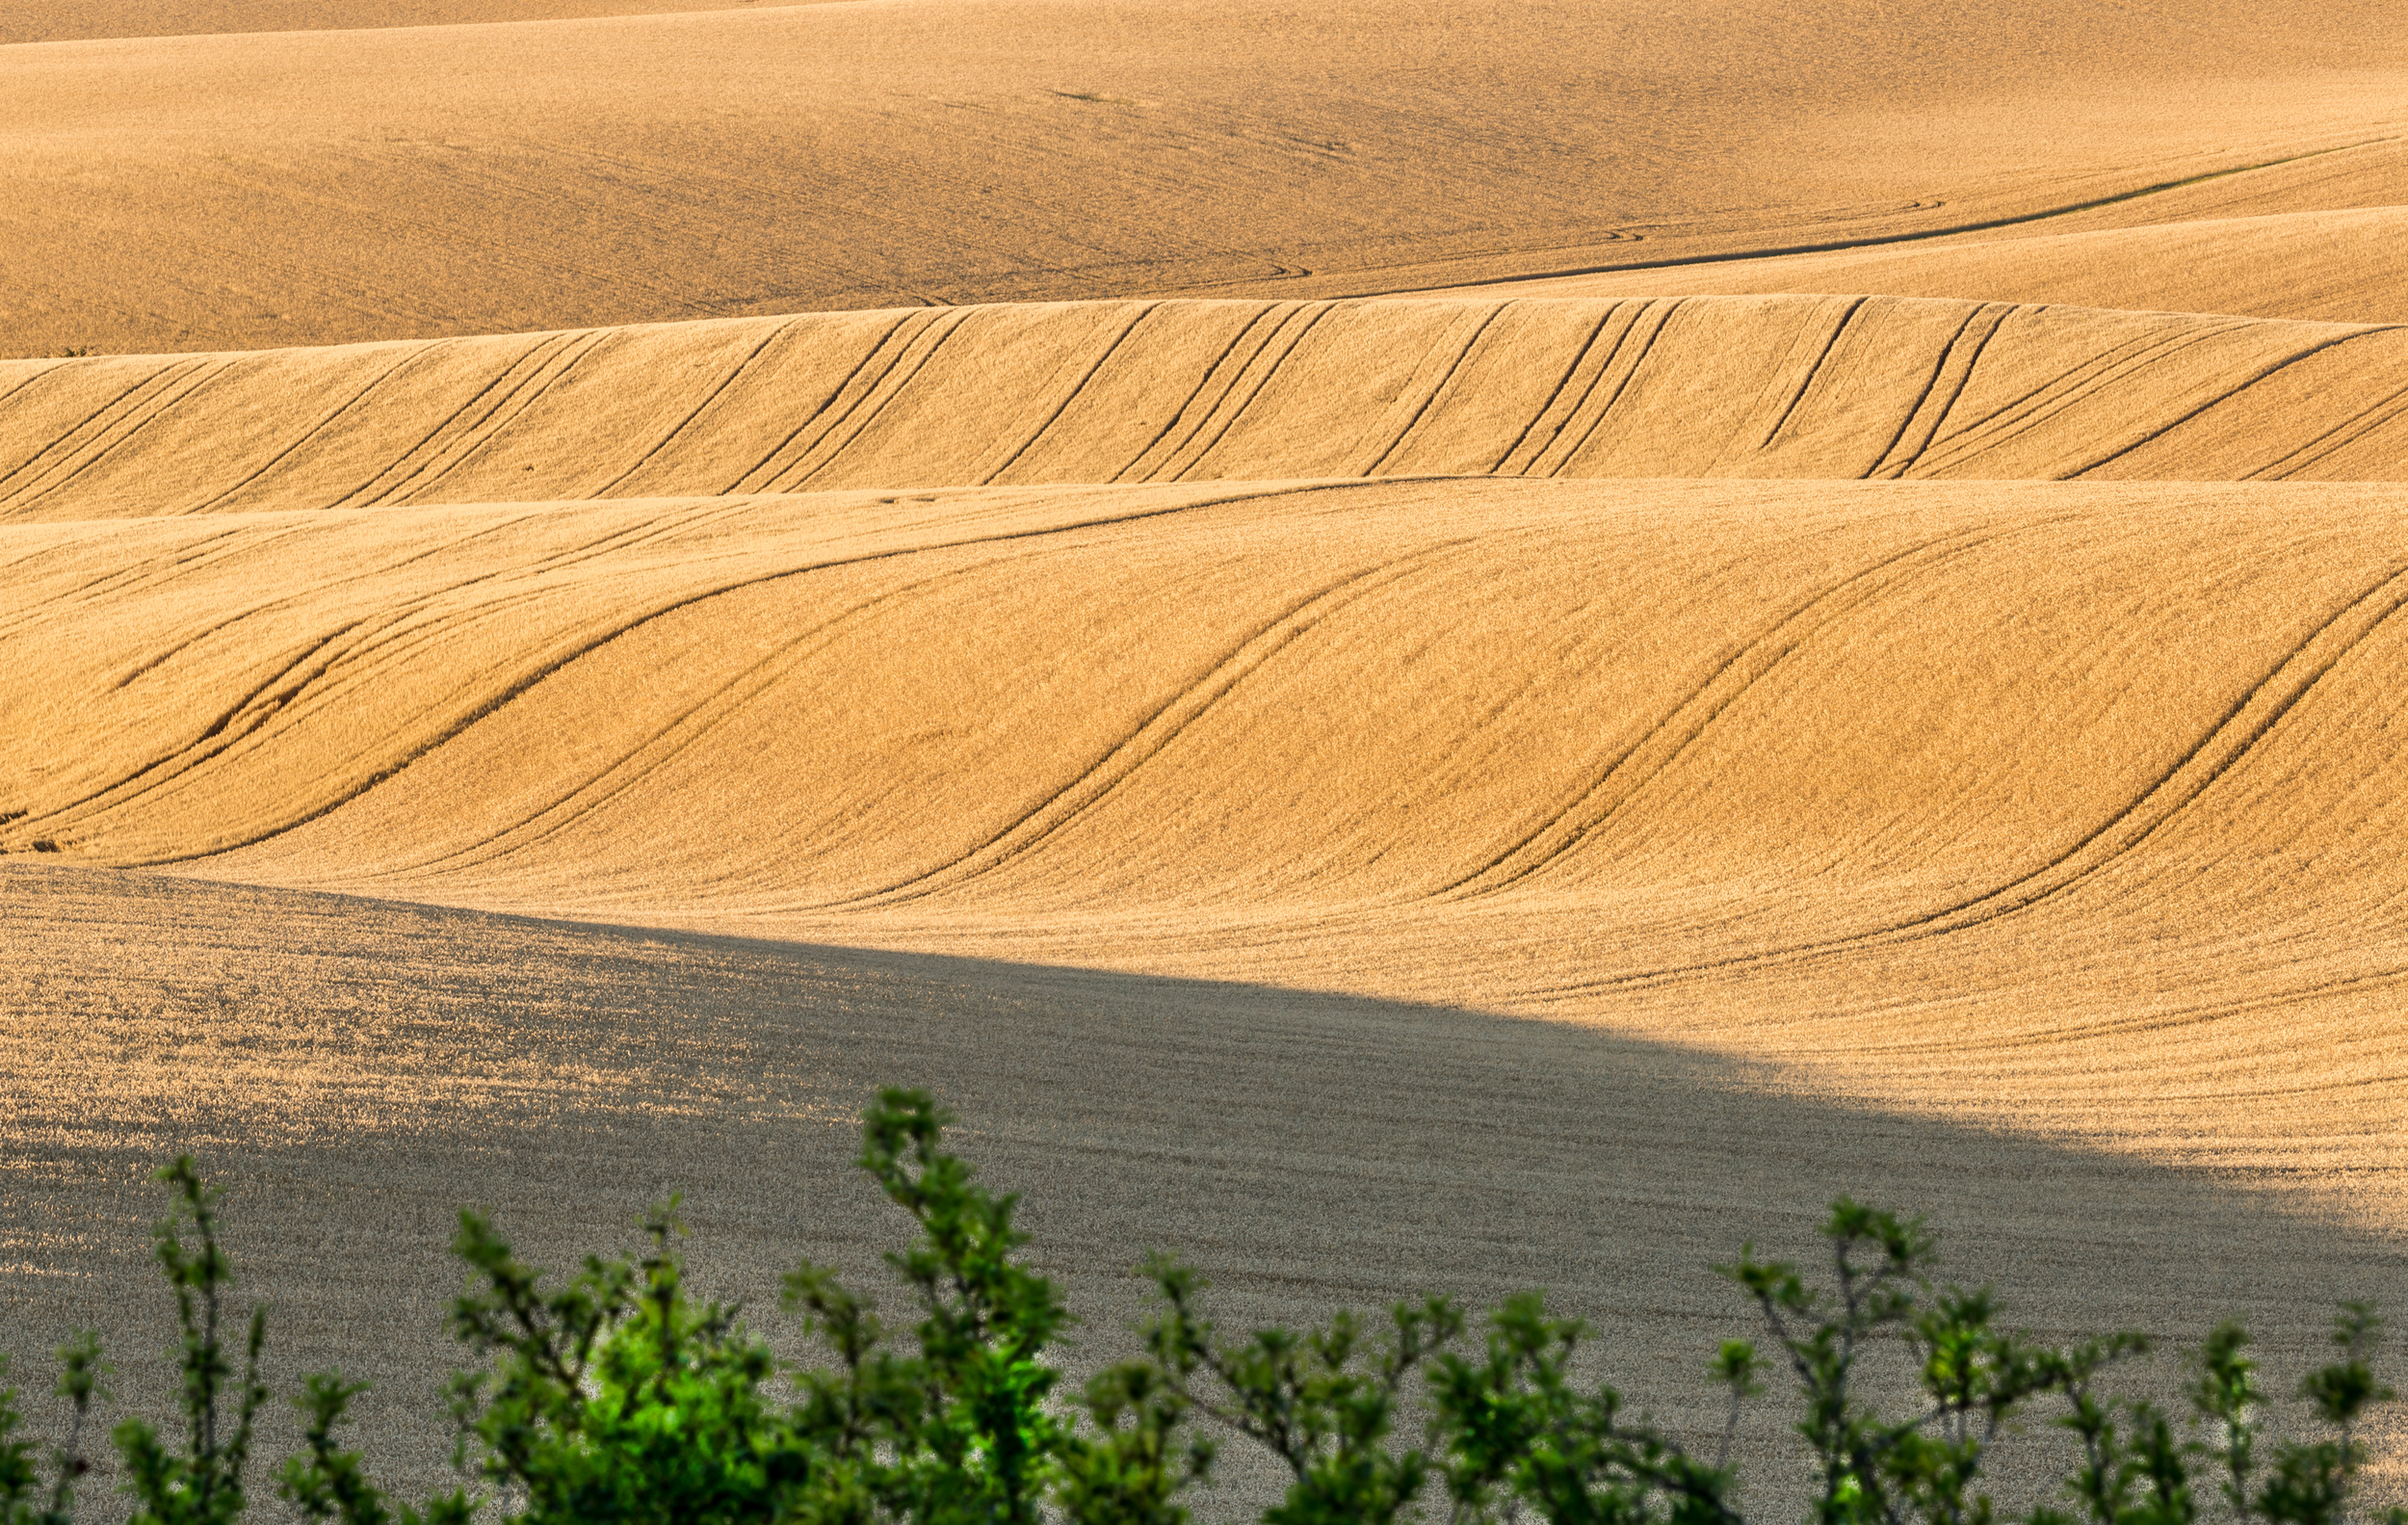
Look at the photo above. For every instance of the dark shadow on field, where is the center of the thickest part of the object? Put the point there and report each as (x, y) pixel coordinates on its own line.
(1307, 1150)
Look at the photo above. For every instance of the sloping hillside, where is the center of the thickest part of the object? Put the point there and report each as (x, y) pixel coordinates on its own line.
(1771, 766)
(1136, 392)
(207, 192)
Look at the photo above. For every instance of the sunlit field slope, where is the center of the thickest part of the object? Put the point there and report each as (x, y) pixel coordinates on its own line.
(2017, 785)
(1136, 392)
(242, 191)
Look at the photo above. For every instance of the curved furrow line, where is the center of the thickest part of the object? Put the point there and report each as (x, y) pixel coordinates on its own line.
(1077, 389)
(350, 406)
(488, 529)
(667, 521)
(1430, 398)
(2243, 726)
(679, 733)
(189, 761)
(108, 428)
(127, 429)
(1663, 312)
(1806, 382)
(680, 518)
(1633, 314)
(194, 560)
(1571, 391)
(374, 644)
(31, 555)
(1172, 470)
(672, 517)
(2193, 1023)
(1231, 369)
(2081, 377)
(399, 636)
(547, 372)
(281, 698)
(844, 429)
(149, 572)
(2154, 1021)
(256, 706)
(62, 442)
(1680, 728)
(398, 633)
(1900, 457)
(2214, 755)
(435, 432)
(1597, 388)
(2264, 373)
(320, 590)
(2343, 1085)
(1924, 236)
(33, 374)
(1275, 313)
(1102, 777)
(2341, 437)
(295, 694)
(1572, 368)
(1206, 400)
(2062, 391)
(479, 703)
(734, 374)
(1537, 684)
(915, 320)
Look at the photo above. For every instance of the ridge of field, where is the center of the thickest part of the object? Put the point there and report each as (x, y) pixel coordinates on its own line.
(2061, 807)
(215, 192)
(1132, 392)
(2344, 266)
(2303, 237)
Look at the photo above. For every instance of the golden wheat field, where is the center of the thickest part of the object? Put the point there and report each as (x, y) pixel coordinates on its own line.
(1402, 646)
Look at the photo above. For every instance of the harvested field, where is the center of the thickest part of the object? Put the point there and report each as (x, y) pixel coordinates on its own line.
(217, 191)
(1402, 648)
(1148, 392)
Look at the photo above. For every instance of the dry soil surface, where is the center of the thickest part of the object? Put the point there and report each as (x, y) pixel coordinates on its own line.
(1612, 620)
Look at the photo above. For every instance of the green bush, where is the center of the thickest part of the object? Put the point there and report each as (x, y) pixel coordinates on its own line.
(611, 1396)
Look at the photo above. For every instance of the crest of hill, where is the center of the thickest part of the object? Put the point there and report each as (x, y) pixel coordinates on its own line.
(1170, 391)
(218, 192)
(2340, 266)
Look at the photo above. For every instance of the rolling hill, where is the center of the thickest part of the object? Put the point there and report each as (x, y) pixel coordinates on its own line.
(1403, 647)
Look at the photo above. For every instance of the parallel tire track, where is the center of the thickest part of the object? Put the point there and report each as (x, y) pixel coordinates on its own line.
(813, 401)
(334, 654)
(1620, 778)
(2242, 728)
(1188, 704)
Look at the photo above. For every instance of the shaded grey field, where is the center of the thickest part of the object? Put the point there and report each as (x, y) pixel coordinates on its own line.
(355, 1070)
